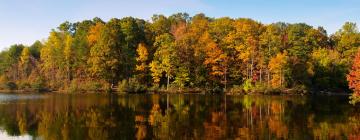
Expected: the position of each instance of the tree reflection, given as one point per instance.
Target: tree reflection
(181, 117)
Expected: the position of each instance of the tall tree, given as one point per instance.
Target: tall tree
(347, 42)
(52, 59)
(163, 59)
(105, 56)
(25, 63)
(354, 79)
(68, 57)
(216, 60)
(278, 67)
(142, 61)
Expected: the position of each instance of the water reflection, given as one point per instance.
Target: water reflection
(98, 117)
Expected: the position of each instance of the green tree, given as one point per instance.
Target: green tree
(105, 56)
(25, 63)
(163, 58)
(347, 41)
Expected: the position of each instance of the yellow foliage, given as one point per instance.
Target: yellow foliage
(216, 59)
(94, 33)
(156, 73)
(277, 66)
(142, 57)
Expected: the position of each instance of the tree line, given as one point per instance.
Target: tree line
(180, 52)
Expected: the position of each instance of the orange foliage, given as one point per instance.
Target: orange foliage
(216, 59)
(94, 33)
(354, 76)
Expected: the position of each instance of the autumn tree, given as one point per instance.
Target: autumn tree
(68, 57)
(328, 70)
(160, 25)
(186, 52)
(353, 78)
(52, 59)
(80, 48)
(244, 43)
(216, 60)
(271, 43)
(142, 61)
(278, 67)
(163, 59)
(105, 56)
(347, 41)
(25, 63)
(190, 45)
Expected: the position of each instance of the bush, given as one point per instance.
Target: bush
(236, 89)
(10, 86)
(247, 86)
(300, 89)
(38, 84)
(217, 89)
(74, 86)
(260, 88)
(354, 98)
(154, 88)
(131, 86)
(97, 86)
(24, 85)
(78, 85)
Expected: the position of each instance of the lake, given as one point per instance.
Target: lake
(153, 116)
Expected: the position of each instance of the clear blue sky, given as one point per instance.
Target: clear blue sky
(24, 21)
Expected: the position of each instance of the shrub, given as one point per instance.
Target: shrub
(10, 86)
(94, 86)
(3, 81)
(247, 85)
(131, 86)
(236, 89)
(24, 85)
(300, 89)
(38, 84)
(154, 88)
(78, 85)
(217, 89)
(354, 99)
(260, 88)
(74, 86)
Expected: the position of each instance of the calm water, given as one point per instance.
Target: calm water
(169, 117)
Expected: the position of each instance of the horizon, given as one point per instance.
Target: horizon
(27, 22)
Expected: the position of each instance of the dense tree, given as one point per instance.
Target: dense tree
(105, 56)
(279, 67)
(185, 52)
(328, 70)
(216, 60)
(142, 62)
(164, 59)
(25, 63)
(35, 49)
(354, 77)
(347, 41)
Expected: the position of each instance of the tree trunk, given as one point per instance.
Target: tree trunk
(252, 67)
(280, 78)
(168, 81)
(225, 78)
(260, 75)
(247, 71)
(268, 77)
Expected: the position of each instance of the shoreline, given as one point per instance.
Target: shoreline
(185, 92)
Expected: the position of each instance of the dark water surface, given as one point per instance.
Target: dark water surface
(171, 117)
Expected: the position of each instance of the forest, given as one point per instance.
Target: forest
(180, 53)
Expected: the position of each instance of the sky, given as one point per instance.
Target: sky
(25, 21)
